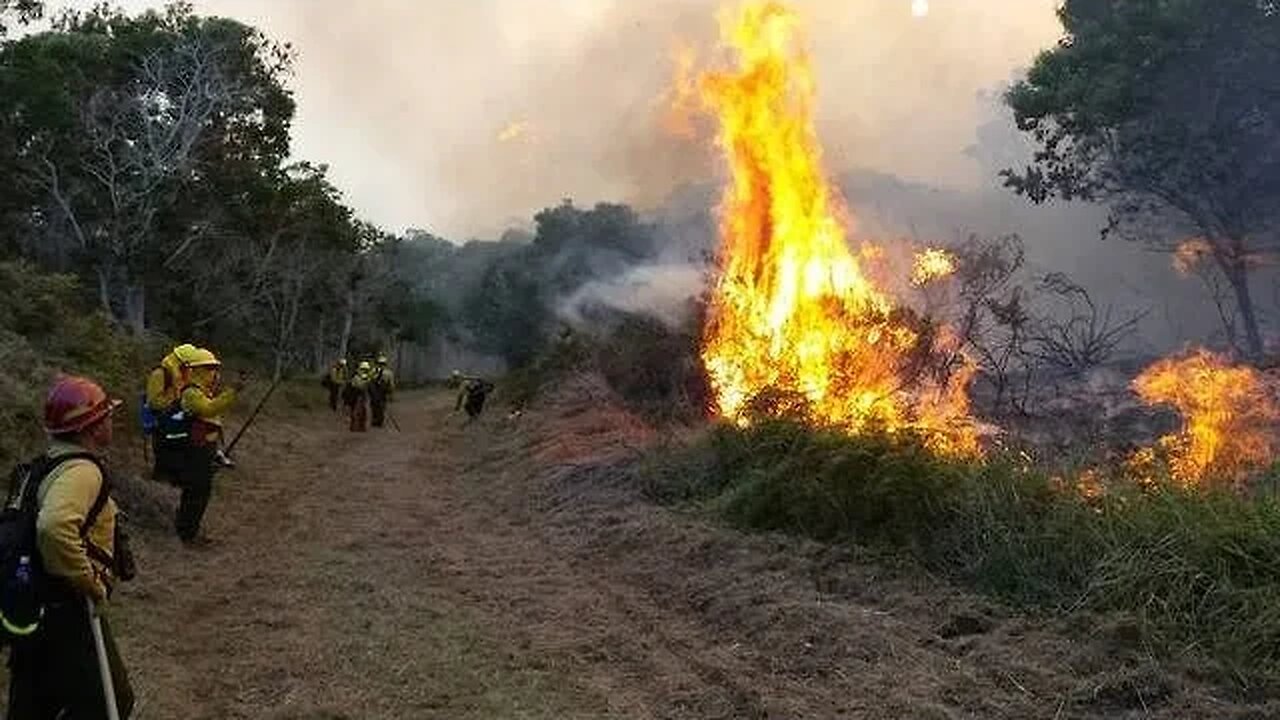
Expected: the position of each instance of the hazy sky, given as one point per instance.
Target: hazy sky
(408, 100)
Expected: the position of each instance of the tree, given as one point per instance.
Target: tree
(511, 311)
(572, 245)
(287, 273)
(110, 120)
(1169, 111)
(150, 154)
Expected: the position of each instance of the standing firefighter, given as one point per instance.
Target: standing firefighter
(164, 388)
(356, 396)
(334, 380)
(382, 383)
(201, 407)
(56, 666)
(471, 398)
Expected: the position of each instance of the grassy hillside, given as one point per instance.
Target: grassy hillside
(1196, 572)
(47, 326)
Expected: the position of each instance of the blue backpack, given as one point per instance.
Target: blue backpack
(147, 417)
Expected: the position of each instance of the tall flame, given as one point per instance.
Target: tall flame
(793, 309)
(1227, 417)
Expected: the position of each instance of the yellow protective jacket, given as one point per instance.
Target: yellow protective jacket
(66, 497)
(360, 381)
(164, 384)
(338, 375)
(207, 412)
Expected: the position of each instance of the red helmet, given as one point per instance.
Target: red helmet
(75, 403)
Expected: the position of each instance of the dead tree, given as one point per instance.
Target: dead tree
(1075, 335)
(140, 141)
(993, 314)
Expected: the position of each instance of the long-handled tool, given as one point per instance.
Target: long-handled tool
(252, 416)
(392, 419)
(104, 664)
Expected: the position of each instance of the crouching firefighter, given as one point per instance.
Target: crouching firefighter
(62, 548)
(194, 428)
(472, 397)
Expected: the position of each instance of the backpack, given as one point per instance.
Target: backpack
(24, 587)
(175, 424)
(147, 417)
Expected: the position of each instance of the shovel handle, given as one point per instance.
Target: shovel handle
(104, 664)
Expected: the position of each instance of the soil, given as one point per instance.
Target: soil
(509, 568)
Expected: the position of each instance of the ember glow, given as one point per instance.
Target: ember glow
(1227, 413)
(793, 309)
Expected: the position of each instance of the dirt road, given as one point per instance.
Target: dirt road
(507, 570)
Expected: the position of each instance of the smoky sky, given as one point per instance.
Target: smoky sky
(463, 117)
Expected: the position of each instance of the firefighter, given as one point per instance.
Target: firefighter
(164, 386)
(335, 380)
(382, 383)
(201, 407)
(474, 392)
(357, 397)
(164, 383)
(55, 672)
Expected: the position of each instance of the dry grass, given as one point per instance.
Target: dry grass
(508, 568)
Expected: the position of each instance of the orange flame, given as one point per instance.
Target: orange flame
(931, 265)
(1227, 412)
(793, 310)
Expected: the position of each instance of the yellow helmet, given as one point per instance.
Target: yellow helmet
(342, 361)
(185, 353)
(203, 357)
(364, 366)
(382, 359)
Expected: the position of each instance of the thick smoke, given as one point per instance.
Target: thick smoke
(408, 101)
(660, 291)
(467, 117)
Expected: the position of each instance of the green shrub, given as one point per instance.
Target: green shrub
(569, 353)
(46, 328)
(1199, 571)
(655, 368)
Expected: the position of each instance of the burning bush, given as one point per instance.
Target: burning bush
(1228, 418)
(794, 309)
